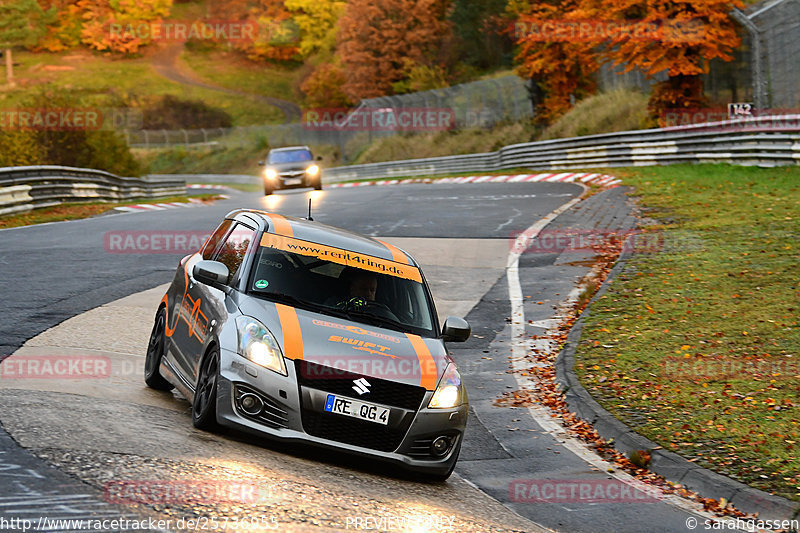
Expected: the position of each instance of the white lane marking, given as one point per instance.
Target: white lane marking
(520, 347)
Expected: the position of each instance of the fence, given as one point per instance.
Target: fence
(752, 141)
(26, 188)
(478, 104)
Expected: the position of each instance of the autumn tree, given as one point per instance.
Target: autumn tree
(22, 23)
(65, 30)
(120, 25)
(317, 21)
(323, 88)
(479, 26)
(278, 35)
(379, 39)
(690, 34)
(559, 64)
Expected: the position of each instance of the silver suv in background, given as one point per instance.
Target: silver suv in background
(293, 166)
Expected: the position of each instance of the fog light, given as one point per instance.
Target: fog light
(251, 404)
(440, 446)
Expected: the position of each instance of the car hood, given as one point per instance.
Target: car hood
(351, 346)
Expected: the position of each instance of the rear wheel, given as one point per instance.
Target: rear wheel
(155, 351)
(204, 405)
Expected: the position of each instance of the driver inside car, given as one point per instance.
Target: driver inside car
(361, 288)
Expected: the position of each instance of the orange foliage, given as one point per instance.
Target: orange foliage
(691, 33)
(324, 87)
(278, 37)
(563, 69)
(378, 39)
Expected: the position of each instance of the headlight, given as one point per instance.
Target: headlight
(449, 393)
(313, 170)
(257, 344)
(270, 174)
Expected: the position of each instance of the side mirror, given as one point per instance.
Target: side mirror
(456, 329)
(261, 163)
(319, 158)
(211, 273)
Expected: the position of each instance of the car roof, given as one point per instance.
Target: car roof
(319, 233)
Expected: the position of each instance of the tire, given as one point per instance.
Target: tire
(155, 352)
(204, 404)
(267, 190)
(318, 185)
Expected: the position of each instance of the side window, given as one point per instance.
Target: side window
(214, 240)
(233, 250)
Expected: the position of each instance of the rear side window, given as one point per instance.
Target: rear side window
(216, 238)
(233, 249)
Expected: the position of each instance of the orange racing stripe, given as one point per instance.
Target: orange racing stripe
(427, 365)
(397, 254)
(292, 334)
(280, 225)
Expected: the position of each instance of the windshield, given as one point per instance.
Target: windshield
(330, 281)
(290, 156)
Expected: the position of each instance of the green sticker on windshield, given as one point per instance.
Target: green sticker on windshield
(262, 284)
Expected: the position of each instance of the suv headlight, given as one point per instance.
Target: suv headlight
(257, 344)
(449, 393)
(271, 174)
(313, 170)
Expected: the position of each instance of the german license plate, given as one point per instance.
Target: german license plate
(357, 409)
(292, 181)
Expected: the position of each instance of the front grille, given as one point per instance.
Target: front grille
(340, 382)
(271, 415)
(349, 430)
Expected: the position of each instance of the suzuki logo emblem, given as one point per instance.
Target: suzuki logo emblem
(361, 386)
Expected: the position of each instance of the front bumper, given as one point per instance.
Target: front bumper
(293, 413)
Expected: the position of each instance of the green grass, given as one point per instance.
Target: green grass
(617, 110)
(103, 80)
(235, 72)
(697, 346)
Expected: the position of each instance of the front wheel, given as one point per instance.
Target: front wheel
(267, 190)
(155, 351)
(204, 405)
(318, 184)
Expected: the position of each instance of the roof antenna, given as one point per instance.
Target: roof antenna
(309, 211)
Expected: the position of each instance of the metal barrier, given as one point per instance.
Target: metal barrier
(752, 141)
(26, 188)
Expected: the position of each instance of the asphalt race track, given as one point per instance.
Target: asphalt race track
(66, 441)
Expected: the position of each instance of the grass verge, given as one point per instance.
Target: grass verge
(697, 345)
(75, 211)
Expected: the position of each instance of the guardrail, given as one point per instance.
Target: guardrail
(34, 187)
(768, 140)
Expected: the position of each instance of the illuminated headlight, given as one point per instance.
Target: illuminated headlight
(257, 344)
(313, 170)
(271, 174)
(448, 394)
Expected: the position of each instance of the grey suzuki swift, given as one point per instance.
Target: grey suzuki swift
(290, 329)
